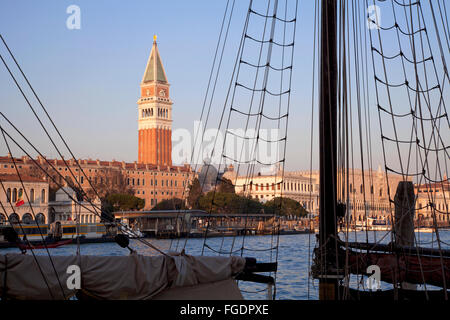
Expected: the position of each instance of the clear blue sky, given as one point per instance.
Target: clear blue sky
(89, 78)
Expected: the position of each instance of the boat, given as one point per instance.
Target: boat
(59, 231)
(424, 230)
(402, 263)
(50, 245)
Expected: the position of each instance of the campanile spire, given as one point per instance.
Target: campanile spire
(155, 113)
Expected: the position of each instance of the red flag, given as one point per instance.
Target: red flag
(20, 201)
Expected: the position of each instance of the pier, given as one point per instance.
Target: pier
(194, 223)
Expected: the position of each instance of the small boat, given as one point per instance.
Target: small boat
(424, 230)
(44, 245)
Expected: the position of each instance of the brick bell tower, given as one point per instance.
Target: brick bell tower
(155, 113)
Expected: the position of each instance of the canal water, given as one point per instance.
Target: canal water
(294, 256)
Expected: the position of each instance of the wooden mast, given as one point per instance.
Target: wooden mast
(328, 141)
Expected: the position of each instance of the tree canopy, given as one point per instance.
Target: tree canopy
(170, 204)
(285, 206)
(195, 192)
(226, 202)
(121, 201)
(226, 186)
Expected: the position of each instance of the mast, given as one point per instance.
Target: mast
(328, 141)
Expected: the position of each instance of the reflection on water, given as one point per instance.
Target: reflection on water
(294, 256)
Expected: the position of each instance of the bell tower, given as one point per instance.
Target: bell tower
(155, 113)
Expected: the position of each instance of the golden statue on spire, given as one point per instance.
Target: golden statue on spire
(154, 38)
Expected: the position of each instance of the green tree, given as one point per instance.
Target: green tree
(195, 192)
(226, 202)
(226, 186)
(284, 207)
(120, 201)
(170, 204)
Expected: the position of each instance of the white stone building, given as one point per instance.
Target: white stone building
(35, 197)
(267, 187)
(432, 202)
(368, 190)
(66, 209)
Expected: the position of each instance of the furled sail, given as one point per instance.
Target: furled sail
(117, 277)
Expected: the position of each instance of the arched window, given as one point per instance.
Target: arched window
(14, 218)
(27, 218)
(40, 218)
(2, 218)
(361, 189)
(14, 195)
(43, 199)
(8, 195)
(32, 195)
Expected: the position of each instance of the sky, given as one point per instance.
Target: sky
(88, 78)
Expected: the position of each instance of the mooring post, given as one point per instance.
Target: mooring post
(404, 214)
(404, 220)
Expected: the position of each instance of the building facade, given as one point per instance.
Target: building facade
(368, 193)
(152, 183)
(267, 187)
(65, 208)
(155, 114)
(35, 193)
(432, 203)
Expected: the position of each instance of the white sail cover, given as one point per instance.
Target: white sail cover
(133, 277)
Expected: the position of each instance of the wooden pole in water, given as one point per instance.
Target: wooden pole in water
(328, 141)
(404, 220)
(404, 214)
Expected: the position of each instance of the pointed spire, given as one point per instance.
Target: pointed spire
(154, 70)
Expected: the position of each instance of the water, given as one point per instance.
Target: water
(293, 256)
